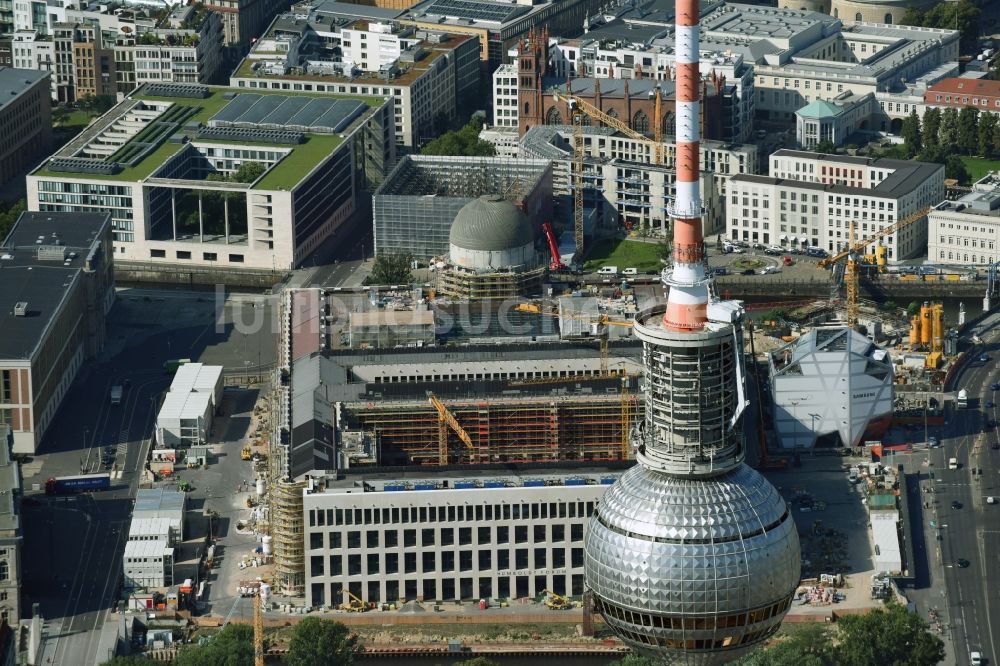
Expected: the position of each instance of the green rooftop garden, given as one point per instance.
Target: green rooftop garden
(284, 175)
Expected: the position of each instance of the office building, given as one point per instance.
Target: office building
(497, 535)
(811, 199)
(58, 284)
(542, 95)
(623, 185)
(11, 537)
(431, 76)
(25, 120)
(415, 207)
(499, 25)
(966, 231)
(798, 56)
(106, 50)
(196, 176)
(959, 92)
(243, 21)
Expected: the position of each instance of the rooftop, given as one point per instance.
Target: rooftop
(13, 82)
(158, 499)
(39, 260)
(152, 147)
(471, 13)
(483, 478)
(966, 86)
(820, 108)
(462, 177)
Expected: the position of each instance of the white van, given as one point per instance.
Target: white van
(630, 271)
(607, 270)
(952, 463)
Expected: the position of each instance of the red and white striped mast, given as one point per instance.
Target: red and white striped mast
(687, 301)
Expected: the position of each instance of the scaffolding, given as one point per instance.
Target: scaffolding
(545, 428)
(459, 284)
(287, 532)
(415, 206)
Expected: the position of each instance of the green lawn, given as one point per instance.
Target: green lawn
(78, 119)
(979, 166)
(624, 254)
(288, 172)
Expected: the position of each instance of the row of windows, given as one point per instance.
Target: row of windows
(695, 623)
(186, 255)
(461, 376)
(950, 240)
(424, 514)
(430, 563)
(446, 536)
(965, 100)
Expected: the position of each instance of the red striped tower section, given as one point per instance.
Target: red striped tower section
(687, 300)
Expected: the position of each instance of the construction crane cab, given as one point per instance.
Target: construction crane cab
(354, 604)
(556, 601)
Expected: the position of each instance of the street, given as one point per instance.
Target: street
(970, 528)
(73, 544)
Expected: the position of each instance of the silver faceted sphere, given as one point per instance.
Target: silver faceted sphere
(692, 571)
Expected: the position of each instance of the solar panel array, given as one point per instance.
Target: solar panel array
(250, 135)
(176, 90)
(479, 11)
(83, 165)
(280, 112)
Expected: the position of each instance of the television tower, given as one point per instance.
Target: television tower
(692, 556)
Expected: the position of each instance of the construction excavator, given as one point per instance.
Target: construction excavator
(556, 601)
(355, 604)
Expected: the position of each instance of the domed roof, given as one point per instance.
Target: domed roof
(490, 223)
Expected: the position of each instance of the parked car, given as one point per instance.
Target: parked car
(955, 504)
(962, 563)
(933, 442)
(773, 250)
(983, 358)
(994, 386)
(748, 271)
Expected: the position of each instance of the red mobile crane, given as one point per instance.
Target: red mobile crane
(556, 264)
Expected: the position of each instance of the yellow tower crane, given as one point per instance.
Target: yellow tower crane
(445, 419)
(626, 399)
(579, 107)
(851, 252)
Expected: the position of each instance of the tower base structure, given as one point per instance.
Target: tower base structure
(692, 557)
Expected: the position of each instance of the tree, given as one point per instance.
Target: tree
(962, 16)
(911, 133)
(59, 115)
(318, 642)
(954, 167)
(913, 309)
(634, 660)
(478, 661)
(9, 212)
(931, 127)
(948, 134)
(968, 130)
(987, 132)
(464, 141)
(890, 637)
(391, 268)
(826, 146)
(233, 646)
(248, 172)
(808, 645)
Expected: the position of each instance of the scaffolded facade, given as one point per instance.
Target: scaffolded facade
(415, 206)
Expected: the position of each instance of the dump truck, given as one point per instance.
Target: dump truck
(82, 483)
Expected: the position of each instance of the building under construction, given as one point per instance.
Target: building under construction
(415, 206)
(480, 404)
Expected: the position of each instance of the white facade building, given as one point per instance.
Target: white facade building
(966, 232)
(148, 564)
(430, 538)
(811, 199)
(505, 96)
(186, 415)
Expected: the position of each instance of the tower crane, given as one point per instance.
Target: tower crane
(579, 107)
(446, 419)
(850, 253)
(258, 631)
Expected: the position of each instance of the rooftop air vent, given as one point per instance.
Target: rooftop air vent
(21, 309)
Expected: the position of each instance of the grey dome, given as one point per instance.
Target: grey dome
(490, 223)
(692, 571)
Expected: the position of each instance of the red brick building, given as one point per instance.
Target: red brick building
(983, 94)
(629, 100)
